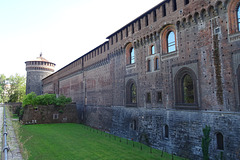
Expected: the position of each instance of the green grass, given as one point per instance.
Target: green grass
(78, 142)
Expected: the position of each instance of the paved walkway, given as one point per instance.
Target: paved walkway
(14, 152)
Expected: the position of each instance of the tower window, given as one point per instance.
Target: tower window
(132, 28)
(186, 2)
(146, 20)
(171, 42)
(220, 145)
(139, 24)
(152, 49)
(126, 31)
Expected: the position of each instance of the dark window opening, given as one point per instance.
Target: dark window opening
(174, 5)
(146, 20)
(164, 10)
(112, 40)
(149, 65)
(121, 35)
(154, 16)
(133, 95)
(148, 97)
(156, 64)
(132, 56)
(116, 38)
(186, 2)
(132, 28)
(188, 89)
(139, 24)
(134, 125)
(159, 97)
(126, 31)
(166, 131)
(219, 141)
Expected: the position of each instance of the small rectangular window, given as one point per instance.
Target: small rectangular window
(149, 65)
(121, 35)
(164, 10)
(159, 97)
(116, 37)
(126, 31)
(55, 116)
(148, 98)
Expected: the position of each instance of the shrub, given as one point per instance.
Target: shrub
(45, 99)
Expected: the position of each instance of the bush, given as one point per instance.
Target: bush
(45, 99)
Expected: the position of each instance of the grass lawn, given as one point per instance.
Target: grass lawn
(78, 142)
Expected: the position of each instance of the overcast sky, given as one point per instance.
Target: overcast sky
(63, 30)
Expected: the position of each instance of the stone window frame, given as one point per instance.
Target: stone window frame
(128, 50)
(129, 94)
(55, 116)
(179, 97)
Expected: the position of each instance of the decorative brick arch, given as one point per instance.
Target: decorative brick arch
(164, 38)
(179, 90)
(128, 49)
(232, 16)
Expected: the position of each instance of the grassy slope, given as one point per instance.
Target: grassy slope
(77, 142)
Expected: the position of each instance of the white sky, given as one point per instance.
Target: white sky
(63, 30)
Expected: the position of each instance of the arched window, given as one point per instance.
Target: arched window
(171, 42)
(134, 125)
(219, 137)
(133, 93)
(188, 89)
(156, 64)
(238, 17)
(166, 131)
(132, 56)
(152, 49)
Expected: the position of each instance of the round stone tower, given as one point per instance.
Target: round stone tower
(37, 70)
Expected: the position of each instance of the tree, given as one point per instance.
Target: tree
(3, 93)
(17, 88)
(205, 142)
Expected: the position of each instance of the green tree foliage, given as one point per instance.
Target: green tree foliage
(205, 142)
(12, 89)
(17, 88)
(45, 99)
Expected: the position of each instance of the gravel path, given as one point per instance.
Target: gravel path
(14, 152)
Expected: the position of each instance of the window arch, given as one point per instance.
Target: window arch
(168, 36)
(131, 93)
(152, 49)
(171, 42)
(219, 138)
(185, 87)
(130, 54)
(234, 16)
